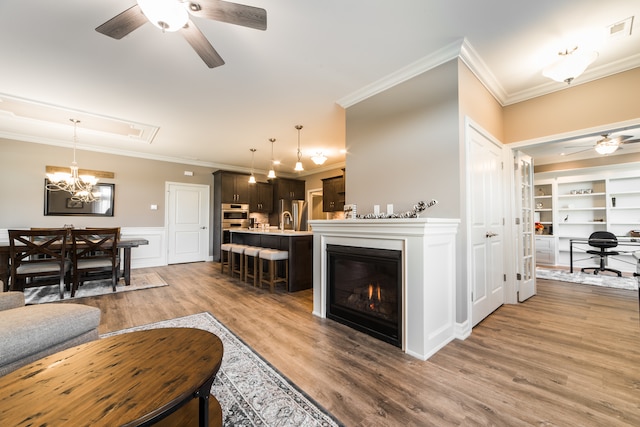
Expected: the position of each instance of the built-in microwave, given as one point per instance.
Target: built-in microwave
(235, 212)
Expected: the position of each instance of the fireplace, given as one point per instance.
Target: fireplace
(365, 290)
(427, 318)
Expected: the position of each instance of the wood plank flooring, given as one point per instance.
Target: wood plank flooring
(569, 356)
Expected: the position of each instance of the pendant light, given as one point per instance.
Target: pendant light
(299, 167)
(252, 178)
(272, 172)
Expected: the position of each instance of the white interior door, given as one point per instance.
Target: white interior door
(486, 225)
(187, 222)
(526, 262)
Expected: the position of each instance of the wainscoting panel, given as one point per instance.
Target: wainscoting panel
(152, 255)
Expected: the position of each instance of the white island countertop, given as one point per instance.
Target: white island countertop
(272, 231)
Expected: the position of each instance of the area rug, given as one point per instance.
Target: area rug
(630, 283)
(98, 287)
(250, 391)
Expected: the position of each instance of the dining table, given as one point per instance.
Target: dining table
(125, 244)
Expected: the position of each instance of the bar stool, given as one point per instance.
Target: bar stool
(251, 257)
(272, 256)
(237, 250)
(225, 256)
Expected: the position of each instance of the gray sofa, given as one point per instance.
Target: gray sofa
(29, 333)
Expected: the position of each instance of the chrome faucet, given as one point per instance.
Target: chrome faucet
(282, 219)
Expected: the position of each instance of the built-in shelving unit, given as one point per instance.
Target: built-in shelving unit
(574, 206)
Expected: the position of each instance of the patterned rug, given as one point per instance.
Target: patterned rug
(250, 391)
(94, 288)
(630, 283)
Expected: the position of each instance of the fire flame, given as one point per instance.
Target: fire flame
(375, 295)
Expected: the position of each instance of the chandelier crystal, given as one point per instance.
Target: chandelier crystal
(299, 167)
(79, 186)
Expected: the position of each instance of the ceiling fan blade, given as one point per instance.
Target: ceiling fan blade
(231, 13)
(630, 141)
(201, 45)
(579, 151)
(123, 23)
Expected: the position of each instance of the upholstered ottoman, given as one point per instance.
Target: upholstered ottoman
(29, 333)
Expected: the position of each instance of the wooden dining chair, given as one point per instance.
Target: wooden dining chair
(95, 256)
(38, 258)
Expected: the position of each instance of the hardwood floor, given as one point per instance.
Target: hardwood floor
(569, 356)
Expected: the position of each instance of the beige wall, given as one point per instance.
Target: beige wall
(139, 184)
(403, 145)
(598, 103)
(477, 103)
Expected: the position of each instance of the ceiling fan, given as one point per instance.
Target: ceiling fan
(174, 15)
(607, 144)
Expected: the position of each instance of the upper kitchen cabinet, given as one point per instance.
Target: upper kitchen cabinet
(234, 187)
(288, 189)
(333, 194)
(261, 197)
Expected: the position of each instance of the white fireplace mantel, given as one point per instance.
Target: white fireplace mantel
(428, 273)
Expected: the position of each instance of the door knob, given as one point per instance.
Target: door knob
(490, 234)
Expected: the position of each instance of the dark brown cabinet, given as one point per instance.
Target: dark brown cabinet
(288, 189)
(234, 187)
(261, 197)
(333, 194)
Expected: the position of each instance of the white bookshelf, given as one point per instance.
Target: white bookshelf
(573, 205)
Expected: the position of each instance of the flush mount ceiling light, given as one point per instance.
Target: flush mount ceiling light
(319, 158)
(570, 65)
(299, 167)
(80, 187)
(272, 172)
(252, 178)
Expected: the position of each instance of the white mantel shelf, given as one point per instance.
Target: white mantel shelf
(429, 270)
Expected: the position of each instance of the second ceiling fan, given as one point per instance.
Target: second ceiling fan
(174, 15)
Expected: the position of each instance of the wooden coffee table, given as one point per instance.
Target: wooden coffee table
(131, 379)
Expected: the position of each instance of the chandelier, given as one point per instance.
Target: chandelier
(79, 186)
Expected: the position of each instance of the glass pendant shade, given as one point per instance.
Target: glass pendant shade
(168, 15)
(272, 172)
(299, 167)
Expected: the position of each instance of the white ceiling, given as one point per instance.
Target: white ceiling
(312, 55)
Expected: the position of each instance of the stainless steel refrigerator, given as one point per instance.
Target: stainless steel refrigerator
(298, 211)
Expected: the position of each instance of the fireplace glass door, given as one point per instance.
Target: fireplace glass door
(364, 290)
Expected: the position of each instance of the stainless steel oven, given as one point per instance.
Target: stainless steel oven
(234, 216)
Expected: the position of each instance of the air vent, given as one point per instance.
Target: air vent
(620, 29)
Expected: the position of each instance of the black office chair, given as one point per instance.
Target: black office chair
(602, 240)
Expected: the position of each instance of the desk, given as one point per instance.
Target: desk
(125, 243)
(622, 241)
(130, 379)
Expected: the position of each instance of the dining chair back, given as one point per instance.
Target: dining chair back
(38, 258)
(95, 255)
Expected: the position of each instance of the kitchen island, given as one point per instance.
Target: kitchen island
(299, 244)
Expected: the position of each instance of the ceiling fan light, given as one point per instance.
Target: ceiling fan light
(570, 65)
(168, 15)
(605, 148)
